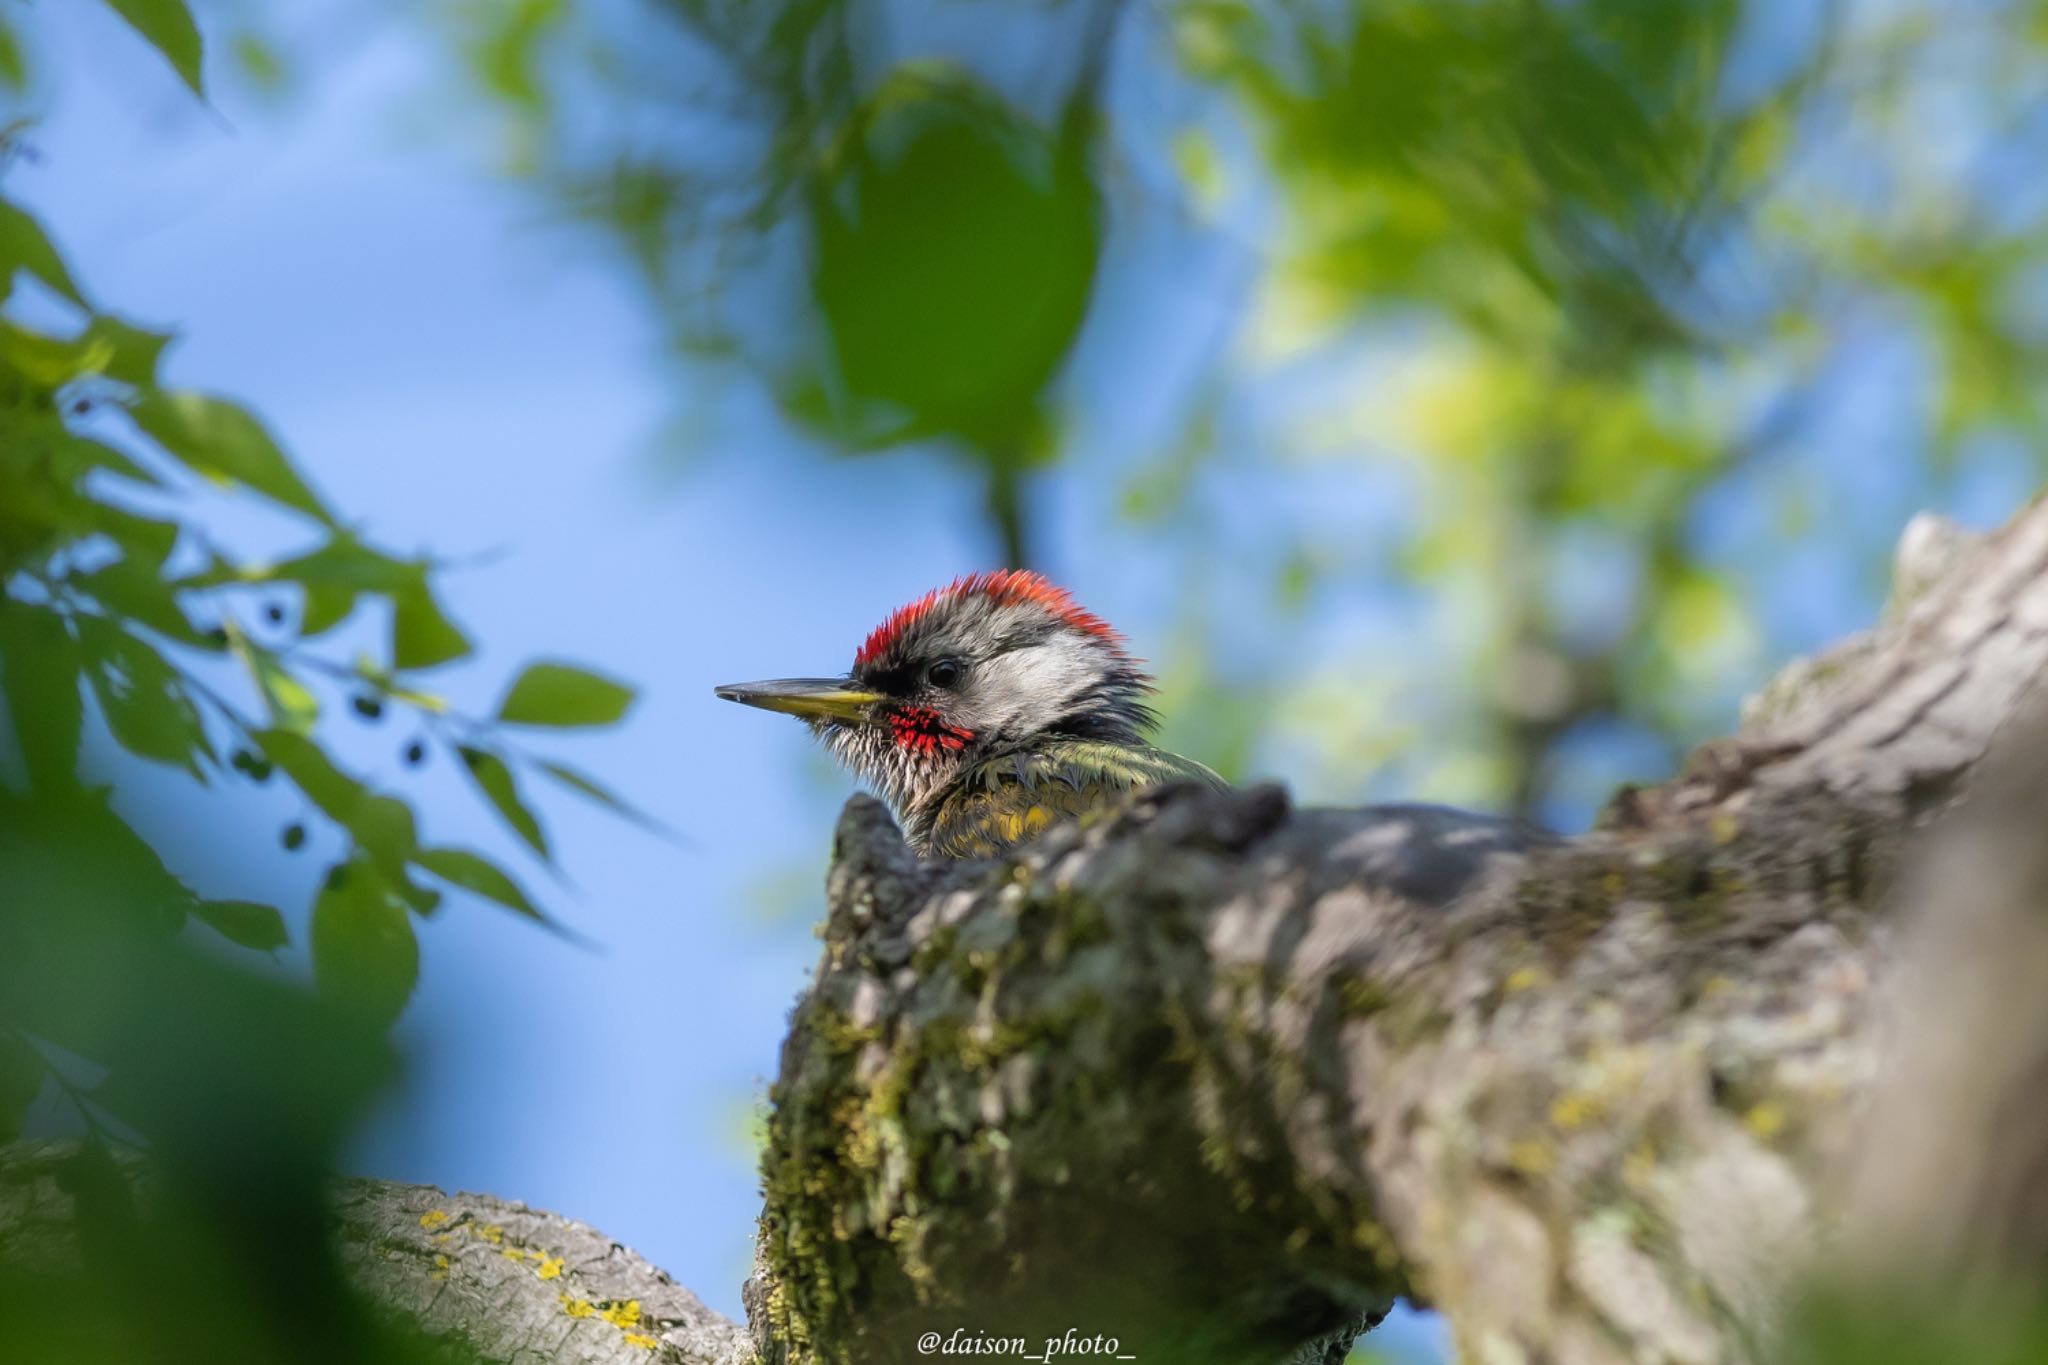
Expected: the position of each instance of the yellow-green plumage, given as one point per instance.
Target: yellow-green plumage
(1012, 798)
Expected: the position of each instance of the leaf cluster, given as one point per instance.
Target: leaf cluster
(123, 612)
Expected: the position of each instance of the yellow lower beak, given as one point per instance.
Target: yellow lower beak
(811, 698)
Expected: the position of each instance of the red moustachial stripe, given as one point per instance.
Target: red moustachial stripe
(1004, 587)
(919, 728)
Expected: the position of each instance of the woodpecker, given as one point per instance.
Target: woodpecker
(984, 712)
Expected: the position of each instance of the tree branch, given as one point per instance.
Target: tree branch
(1215, 1075)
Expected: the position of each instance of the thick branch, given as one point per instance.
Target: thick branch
(1214, 1075)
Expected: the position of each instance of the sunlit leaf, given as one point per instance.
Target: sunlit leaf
(473, 872)
(507, 48)
(167, 26)
(561, 695)
(129, 353)
(955, 248)
(496, 782)
(324, 607)
(291, 703)
(422, 636)
(48, 361)
(364, 951)
(248, 923)
(220, 440)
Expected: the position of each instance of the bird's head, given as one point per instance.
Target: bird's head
(989, 664)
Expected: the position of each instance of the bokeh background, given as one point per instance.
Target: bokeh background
(1455, 401)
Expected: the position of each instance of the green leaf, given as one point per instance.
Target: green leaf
(307, 765)
(421, 635)
(49, 362)
(130, 352)
(345, 562)
(247, 923)
(142, 538)
(21, 1079)
(495, 780)
(324, 608)
(424, 900)
(13, 69)
(364, 952)
(341, 561)
(291, 703)
(383, 827)
(25, 246)
(473, 872)
(39, 666)
(589, 786)
(142, 697)
(333, 577)
(167, 26)
(131, 588)
(557, 694)
(219, 440)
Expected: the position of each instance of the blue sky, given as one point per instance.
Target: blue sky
(462, 375)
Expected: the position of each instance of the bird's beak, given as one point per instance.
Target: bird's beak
(811, 698)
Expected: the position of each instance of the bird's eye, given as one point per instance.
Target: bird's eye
(944, 673)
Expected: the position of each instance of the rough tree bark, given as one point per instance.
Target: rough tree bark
(1220, 1078)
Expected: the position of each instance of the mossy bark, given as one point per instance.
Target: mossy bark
(1214, 1075)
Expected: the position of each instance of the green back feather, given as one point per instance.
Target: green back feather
(1012, 798)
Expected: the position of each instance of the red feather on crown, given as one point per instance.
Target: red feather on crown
(1003, 587)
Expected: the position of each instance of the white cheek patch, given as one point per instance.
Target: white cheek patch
(1038, 680)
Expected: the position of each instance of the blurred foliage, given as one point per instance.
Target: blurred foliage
(943, 240)
(1559, 282)
(144, 1018)
(1922, 1321)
